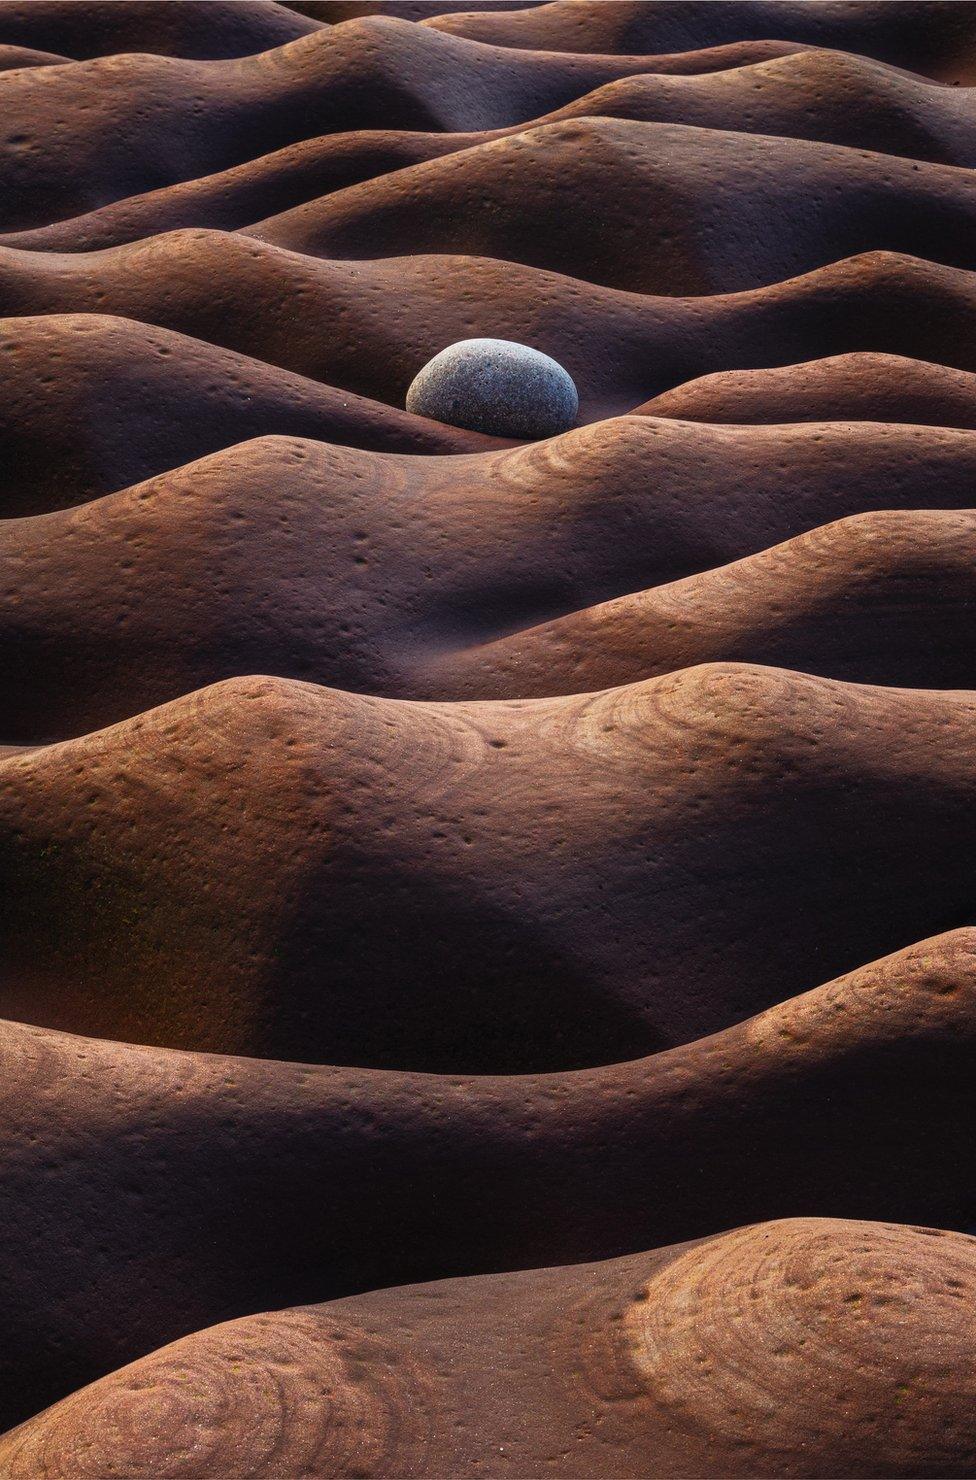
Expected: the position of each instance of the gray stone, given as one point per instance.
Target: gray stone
(498, 387)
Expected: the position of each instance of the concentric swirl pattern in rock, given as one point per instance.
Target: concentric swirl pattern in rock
(799, 1348)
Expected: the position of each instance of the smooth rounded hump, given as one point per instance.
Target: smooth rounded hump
(272, 1395)
(818, 1346)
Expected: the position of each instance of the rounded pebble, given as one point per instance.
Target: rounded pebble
(498, 387)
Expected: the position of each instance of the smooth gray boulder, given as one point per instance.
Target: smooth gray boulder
(496, 386)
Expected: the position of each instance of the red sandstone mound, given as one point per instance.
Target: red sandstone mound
(118, 125)
(368, 327)
(89, 404)
(933, 37)
(855, 387)
(477, 576)
(180, 28)
(883, 598)
(167, 1191)
(771, 1350)
(234, 197)
(826, 96)
(815, 95)
(300, 872)
(24, 56)
(335, 11)
(647, 207)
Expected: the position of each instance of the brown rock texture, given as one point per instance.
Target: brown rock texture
(622, 1367)
(79, 29)
(854, 1100)
(247, 851)
(487, 931)
(154, 401)
(166, 118)
(621, 349)
(854, 387)
(819, 95)
(406, 576)
(710, 190)
(936, 38)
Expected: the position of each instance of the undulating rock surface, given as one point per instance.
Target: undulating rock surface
(487, 922)
(622, 1368)
(854, 1100)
